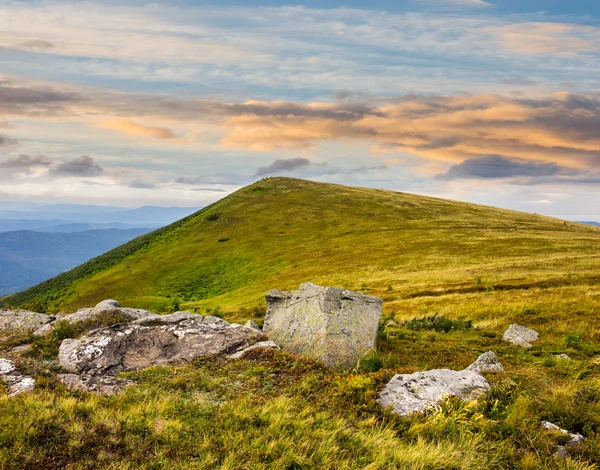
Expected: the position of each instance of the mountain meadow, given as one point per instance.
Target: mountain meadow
(452, 275)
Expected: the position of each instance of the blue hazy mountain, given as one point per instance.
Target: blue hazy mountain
(28, 258)
(596, 224)
(79, 218)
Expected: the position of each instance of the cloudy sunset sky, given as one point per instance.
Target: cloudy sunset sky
(180, 103)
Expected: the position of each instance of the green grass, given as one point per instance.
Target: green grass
(452, 275)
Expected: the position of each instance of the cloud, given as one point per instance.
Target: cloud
(131, 128)
(497, 167)
(284, 165)
(23, 167)
(6, 141)
(34, 100)
(141, 184)
(82, 166)
(561, 128)
(26, 162)
(37, 44)
(549, 38)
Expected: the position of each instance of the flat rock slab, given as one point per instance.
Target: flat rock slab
(157, 340)
(421, 391)
(104, 310)
(17, 383)
(418, 392)
(107, 385)
(334, 326)
(521, 336)
(22, 321)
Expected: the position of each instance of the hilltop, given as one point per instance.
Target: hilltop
(281, 232)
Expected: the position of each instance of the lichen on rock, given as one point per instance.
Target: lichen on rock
(334, 326)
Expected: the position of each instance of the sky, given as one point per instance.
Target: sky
(182, 102)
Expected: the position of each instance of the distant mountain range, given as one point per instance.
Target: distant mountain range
(39, 241)
(596, 224)
(77, 218)
(27, 257)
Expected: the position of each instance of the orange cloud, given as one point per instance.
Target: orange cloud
(128, 127)
(549, 38)
(562, 128)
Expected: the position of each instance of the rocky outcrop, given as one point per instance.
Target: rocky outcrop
(16, 382)
(259, 345)
(334, 326)
(107, 385)
(105, 310)
(487, 362)
(153, 340)
(521, 336)
(416, 393)
(22, 321)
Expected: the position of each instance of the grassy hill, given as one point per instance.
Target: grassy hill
(452, 275)
(281, 232)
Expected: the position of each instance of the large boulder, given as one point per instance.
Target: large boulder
(418, 392)
(16, 382)
(334, 326)
(22, 321)
(521, 336)
(156, 340)
(105, 310)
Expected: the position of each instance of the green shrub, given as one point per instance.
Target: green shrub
(437, 323)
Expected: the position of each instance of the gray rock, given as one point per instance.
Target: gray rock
(563, 357)
(21, 349)
(421, 391)
(261, 344)
(108, 304)
(252, 324)
(6, 366)
(521, 336)
(22, 321)
(574, 438)
(487, 362)
(107, 385)
(334, 326)
(170, 339)
(104, 308)
(17, 383)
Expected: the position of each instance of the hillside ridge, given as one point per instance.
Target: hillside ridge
(278, 231)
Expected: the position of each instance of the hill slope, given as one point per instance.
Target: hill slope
(27, 258)
(479, 268)
(281, 232)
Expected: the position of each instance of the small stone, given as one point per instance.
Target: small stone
(261, 344)
(521, 336)
(7, 366)
(252, 324)
(563, 357)
(574, 438)
(22, 349)
(487, 362)
(17, 383)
